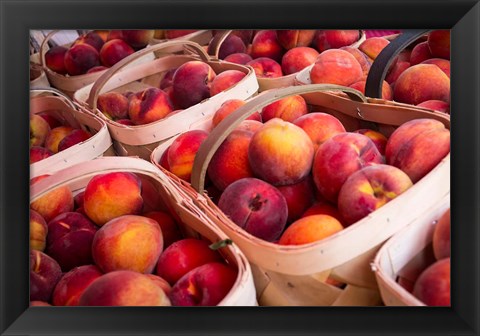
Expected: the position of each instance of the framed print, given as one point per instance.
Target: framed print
(18, 18)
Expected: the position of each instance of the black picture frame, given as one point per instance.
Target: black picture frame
(17, 17)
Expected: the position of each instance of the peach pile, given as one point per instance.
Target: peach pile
(49, 135)
(114, 244)
(96, 51)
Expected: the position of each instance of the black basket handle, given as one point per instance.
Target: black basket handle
(379, 68)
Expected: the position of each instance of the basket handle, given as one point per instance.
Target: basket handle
(227, 125)
(44, 47)
(216, 42)
(57, 93)
(105, 77)
(379, 68)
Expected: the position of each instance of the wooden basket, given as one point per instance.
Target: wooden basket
(38, 77)
(297, 275)
(406, 255)
(141, 140)
(62, 108)
(268, 83)
(65, 83)
(192, 221)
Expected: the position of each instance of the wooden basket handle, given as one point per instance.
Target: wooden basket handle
(216, 42)
(57, 93)
(379, 68)
(44, 47)
(104, 78)
(227, 125)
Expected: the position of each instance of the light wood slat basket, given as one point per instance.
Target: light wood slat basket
(65, 83)
(297, 275)
(269, 83)
(61, 107)
(192, 222)
(141, 140)
(406, 255)
(38, 78)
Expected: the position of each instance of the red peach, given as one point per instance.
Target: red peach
(395, 71)
(55, 136)
(123, 288)
(387, 92)
(310, 229)
(114, 51)
(110, 195)
(299, 197)
(39, 304)
(183, 256)
(91, 38)
(231, 45)
(436, 105)
(113, 104)
(167, 79)
(228, 107)
(339, 157)
(439, 43)
(288, 109)
(96, 69)
(297, 59)
(373, 46)
(73, 283)
(420, 53)
(44, 275)
(266, 67)
(74, 137)
(54, 59)
(225, 80)
(53, 203)
(38, 231)
(265, 44)
(138, 38)
(80, 58)
(319, 127)
(362, 59)
(290, 39)
(378, 138)
(334, 39)
(238, 58)
(175, 33)
(206, 285)
(50, 119)
(78, 200)
(126, 122)
(255, 206)
(191, 83)
(149, 106)
(441, 237)
(433, 285)
(170, 230)
(249, 125)
(336, 66)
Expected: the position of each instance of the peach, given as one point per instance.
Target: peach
(138, 38)
(436, 105)
(339, 157)
(55, 59)
(78, 200)
(39, 304)
(44, 275)
(69, 240)
(53, 203)
(114, 34)
(378, 138)
(319, 127)
(387, 92)
(39, 129)
(297, 59)
(91, 38)
(164, 159)
(73, 138)
(310, 229)
(324, 208)
(299, 197)
(266, 67)
(433, 285)
(373, 46)
(255, 206)
(183, 256)
(265, 44)
(182, 152)
(96, 69)
(113, 105)
(334, 39)
(290, 39)
(110, 195)
(439, 43)
(114, 51)
(249, 125)
(370, 188)
(336, 66)
(228, 107)
(116, 244)
(55, 136)
(225, 80)
(80, 58)
(149, 106)
(417, 146)
(280, 153)
(205, 285)
(230, 162)
(420, 53)
(441, 237)
(395, 71)
(167, 79)
(191, 83)
(362, 59)
(231, 45)
(50, 119)
(238, 58)
(170, 230)
(126, 122)
(160, 282)
(123, 288)
(73, 283)
(38, 231)
(443, 64)
(422, 82)
(152, 199)
(287, 109)
(245, 34)
(174, 33)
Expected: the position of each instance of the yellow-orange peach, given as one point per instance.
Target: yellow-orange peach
(53, 203)
(319, 127)
(288, 109)
(149, 106)
(373, 46)
(378, 138)
(334, 39)
(55, 136)
(265, 44)
(225, 80)
(336, 66)
(38, 231)
(228, 107)
(310, 229)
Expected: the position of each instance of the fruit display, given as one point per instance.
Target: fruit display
(114, 240)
